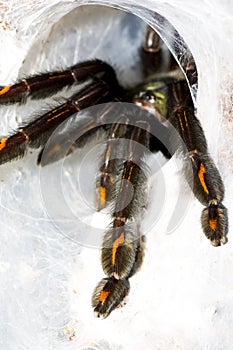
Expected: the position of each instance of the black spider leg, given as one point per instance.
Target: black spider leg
(123, 245)
(201, 172)
(155, 57)
(151, 52)
(185, 58)
(159, 141)
(64, 145)
(36, 133)
(106, 180)
(68, 142)
(47, 84)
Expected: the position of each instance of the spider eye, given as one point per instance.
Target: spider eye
(148, 96)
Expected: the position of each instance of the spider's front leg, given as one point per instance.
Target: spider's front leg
(201, 172)
(36, 133)
(123, 245)
(47, 84)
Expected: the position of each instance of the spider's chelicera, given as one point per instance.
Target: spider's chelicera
(166, 100)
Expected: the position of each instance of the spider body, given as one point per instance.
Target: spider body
(162, 99)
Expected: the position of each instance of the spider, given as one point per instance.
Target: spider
(163, 103)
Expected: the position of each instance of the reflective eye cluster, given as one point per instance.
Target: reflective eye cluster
(147, 96)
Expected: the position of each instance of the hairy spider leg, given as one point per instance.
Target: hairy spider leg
(46, 84)
(100, 123)
(121, 128)
(123, 246)
(36, 133)
(155, 58)
(105, 181)
(151, 52)
(201, 172)
(64, 145)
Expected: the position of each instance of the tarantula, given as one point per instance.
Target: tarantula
(163, 103)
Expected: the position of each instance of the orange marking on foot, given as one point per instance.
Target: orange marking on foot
(201, 173)
(5, 89)
(103, 295)
(116, 244)
(3, 142)
(102, 194)
(213, 224)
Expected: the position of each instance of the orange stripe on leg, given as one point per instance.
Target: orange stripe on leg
(5, 89)
(102, 194)
(201, 174)
(116, 244)
(3, 142)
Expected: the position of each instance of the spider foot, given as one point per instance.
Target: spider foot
(215, 223)
(108, 295)
(119, 250)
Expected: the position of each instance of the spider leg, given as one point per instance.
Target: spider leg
(47, 84)
(155, 57)
(151, 52)
(201, 172)
(105, 182)
(123, 245)
(37, 132)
